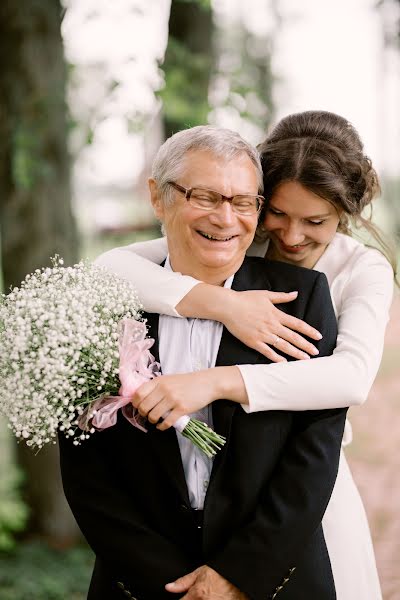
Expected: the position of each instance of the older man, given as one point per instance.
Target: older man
(153, 508)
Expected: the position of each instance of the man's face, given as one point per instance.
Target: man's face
(209, 245)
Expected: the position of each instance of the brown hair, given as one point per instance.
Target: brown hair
(323, 152)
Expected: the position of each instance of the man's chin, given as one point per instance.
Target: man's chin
(220, 259)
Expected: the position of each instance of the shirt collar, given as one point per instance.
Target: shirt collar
(227, 284)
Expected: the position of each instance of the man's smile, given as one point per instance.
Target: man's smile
(214, 237)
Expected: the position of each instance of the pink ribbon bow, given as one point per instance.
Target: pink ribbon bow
(136, 366)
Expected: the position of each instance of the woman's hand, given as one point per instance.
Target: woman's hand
(253, 318)
(169, 397)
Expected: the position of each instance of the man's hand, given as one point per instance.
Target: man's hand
(205, 584)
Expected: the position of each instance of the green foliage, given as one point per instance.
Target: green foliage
(226, 66)
(203, 4)
(391, 194)
(247, 73)
(13, 512)
(37, 572)
(188, 65)
(28, 164)
(186, 73)
(25, 162)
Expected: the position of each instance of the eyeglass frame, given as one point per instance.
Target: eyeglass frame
(188, 191)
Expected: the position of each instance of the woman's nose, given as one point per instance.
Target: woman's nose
(292, 235)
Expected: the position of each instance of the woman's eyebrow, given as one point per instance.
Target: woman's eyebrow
(318, 216)
(310, 217)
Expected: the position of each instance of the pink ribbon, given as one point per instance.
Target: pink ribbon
(136, 366)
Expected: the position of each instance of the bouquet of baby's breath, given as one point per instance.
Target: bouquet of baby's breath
(73, 351)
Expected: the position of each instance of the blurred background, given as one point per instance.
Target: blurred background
(89, 89)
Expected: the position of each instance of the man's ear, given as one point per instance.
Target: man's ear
(157, 203)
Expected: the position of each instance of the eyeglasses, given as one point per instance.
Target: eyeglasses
(242, 204)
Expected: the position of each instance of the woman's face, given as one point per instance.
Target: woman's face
(300, 224)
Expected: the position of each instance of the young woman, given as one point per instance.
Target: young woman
(317, 182)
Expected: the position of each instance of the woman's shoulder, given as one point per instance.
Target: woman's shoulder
(348, 246)
(345, 255)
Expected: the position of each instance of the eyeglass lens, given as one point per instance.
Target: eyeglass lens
(208, 199)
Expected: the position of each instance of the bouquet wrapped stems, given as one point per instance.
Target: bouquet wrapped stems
(137, 365)
(73, 351)
(201, 435)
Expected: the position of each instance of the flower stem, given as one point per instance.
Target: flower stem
(202, 436)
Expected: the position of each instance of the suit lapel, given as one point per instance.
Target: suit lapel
(165, 443)
(234, 352)
(231, 352)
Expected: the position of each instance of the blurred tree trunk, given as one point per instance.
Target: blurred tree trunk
(188, 65)
(36, 217)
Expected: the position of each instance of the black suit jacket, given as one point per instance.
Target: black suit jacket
(268, 490)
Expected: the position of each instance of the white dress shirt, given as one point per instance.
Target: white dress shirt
(187, 345)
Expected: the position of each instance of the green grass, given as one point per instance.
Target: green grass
(13, 511)
(36, 572)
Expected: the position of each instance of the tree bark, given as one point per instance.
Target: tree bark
(35, 207)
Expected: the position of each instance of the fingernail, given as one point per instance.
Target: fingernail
(314, 351)
(319, 336)
(305, 357)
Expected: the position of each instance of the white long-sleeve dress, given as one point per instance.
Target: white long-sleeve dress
(361, 284)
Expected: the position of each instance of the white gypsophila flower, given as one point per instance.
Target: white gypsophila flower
(59, 346)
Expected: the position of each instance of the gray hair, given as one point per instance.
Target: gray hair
(168, 164)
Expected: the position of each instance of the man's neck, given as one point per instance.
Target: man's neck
(212, 276)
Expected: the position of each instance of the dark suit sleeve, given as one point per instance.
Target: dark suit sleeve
(128, 548)
(262, 554)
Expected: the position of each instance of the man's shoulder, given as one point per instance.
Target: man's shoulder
(273, 273)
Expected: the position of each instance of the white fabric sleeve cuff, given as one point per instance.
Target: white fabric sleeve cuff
(248, 373)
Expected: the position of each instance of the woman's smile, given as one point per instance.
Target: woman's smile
(300, 224)
(296, 249)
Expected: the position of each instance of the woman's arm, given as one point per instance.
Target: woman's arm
(345, 378)
(165, 292)
(159, 290)
(341, 380)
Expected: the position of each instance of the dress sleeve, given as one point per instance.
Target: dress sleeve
(346, 377)
(159, 290)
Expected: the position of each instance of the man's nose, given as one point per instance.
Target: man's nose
(292, 234)
(223, 215)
